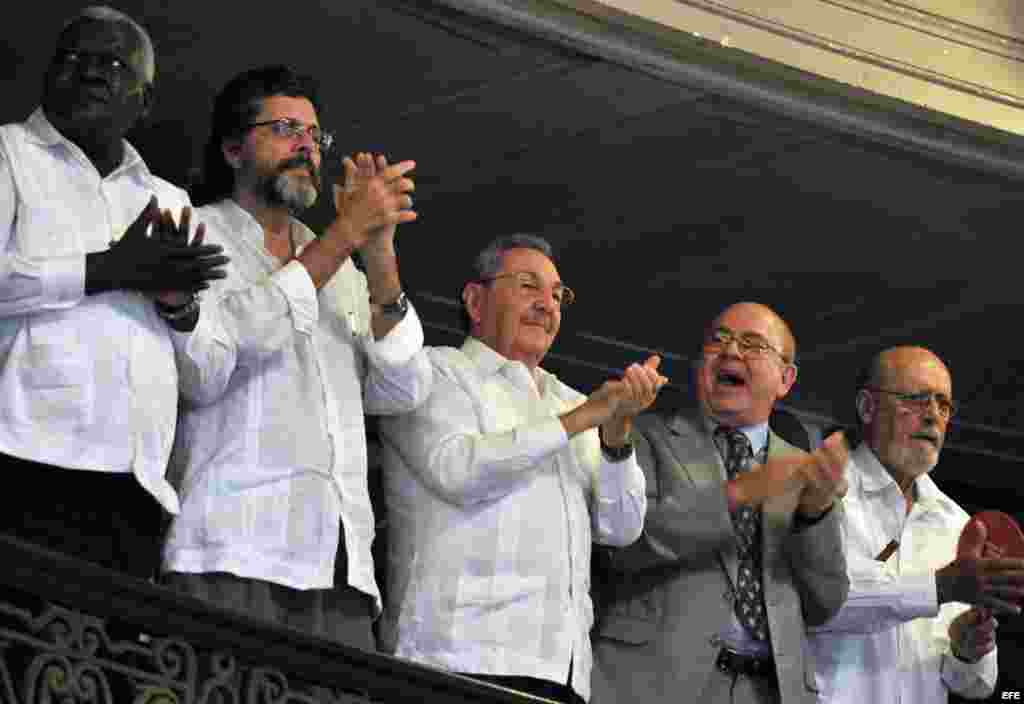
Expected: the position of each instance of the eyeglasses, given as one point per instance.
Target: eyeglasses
(293, 129)
(749, 345)
(530, 284)
(921, 401)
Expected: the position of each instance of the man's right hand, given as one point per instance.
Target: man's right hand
(973, 578)
(138, 262)
(371, 202)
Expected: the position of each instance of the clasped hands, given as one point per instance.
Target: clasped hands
(156, 257)
(819, 476)
(616, 402)
(370, 205)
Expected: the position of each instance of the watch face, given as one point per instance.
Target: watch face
(398, 308)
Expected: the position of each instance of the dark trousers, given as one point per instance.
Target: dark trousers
(341, 613)
(102, 517)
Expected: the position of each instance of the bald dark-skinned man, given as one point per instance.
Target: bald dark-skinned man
(740, 548)
(909, 631)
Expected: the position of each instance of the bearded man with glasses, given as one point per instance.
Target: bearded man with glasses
(279, 364)
(919, 620)
(741, 545)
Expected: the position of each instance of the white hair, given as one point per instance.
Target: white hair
(103, 13)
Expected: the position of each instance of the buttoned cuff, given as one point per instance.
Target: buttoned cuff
(616, 478)
(63, 279)
(970, 678)
(295, 283)
(400, 344)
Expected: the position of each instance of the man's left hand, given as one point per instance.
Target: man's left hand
(165, 230)
(635, 391)
(972, 634)
(373, 187)
(824, 471)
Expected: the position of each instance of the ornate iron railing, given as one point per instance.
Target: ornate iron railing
(75, 633)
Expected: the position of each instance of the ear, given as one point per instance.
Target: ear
(231, 149)
(788, 379)
(472, 298)
(865, 406)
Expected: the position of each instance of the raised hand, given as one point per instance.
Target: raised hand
(824, 474)
(373, 200)
(160, 263)
(973, 578)
(972, 634)
(617, 401)
(165, 230)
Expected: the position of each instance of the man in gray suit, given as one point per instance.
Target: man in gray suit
(741, 546)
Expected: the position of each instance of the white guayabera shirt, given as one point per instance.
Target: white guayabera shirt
(276, 378)
(491, 514)
(890, 641)
(87, 382)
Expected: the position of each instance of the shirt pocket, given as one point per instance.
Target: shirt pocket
(42, 231)
(57, 375)
(494, 612)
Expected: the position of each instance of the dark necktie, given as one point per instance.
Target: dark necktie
(746, 521)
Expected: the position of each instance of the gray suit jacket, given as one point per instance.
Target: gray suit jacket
(662, 601)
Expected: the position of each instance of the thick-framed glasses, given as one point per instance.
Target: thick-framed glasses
(921, 401)
(750, 346)
(531, 285)
(293, 129)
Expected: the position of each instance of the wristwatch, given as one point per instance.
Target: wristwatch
(616, 454)
(395, 310)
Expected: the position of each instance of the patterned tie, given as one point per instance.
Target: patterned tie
(746, 521)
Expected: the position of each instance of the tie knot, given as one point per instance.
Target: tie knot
(735, 448)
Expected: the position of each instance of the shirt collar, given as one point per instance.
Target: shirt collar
(757, 434)
(489, 361)
(42, 131)
(874, 478)
(238, 219)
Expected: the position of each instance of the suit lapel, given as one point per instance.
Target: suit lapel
(697, 455)
(777, 512)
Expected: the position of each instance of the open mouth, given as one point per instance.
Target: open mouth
(731, 379)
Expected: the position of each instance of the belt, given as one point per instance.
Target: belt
(749, 665)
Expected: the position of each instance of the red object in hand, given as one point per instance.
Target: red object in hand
(1003, 532)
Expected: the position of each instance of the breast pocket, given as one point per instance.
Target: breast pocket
(44, 232)
(501, 610)
(57, 378)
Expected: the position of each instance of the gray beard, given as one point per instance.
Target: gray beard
(293, 194)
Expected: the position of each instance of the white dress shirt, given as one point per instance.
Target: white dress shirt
(890, 641)
(86, 382)
(276, 378)
(491, 514)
